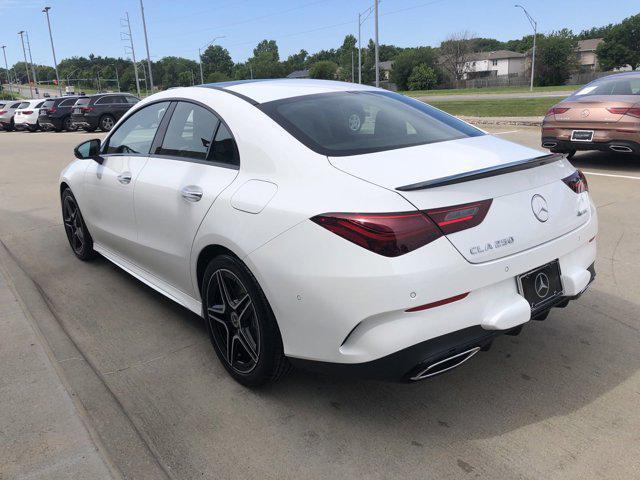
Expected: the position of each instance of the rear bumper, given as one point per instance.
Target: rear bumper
(428, 358)
(49, 123)
(84, 121)
(566, 146)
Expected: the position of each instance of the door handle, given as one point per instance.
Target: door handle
(125, 178)
(191, 193)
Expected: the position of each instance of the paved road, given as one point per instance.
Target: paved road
(26, 93)
(494, 96)
(558, 401)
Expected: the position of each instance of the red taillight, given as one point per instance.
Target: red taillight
(631, 111)
(2, 112)
(394, 234)
(87, 109)
(388, 234)
(460, 217)
(557, 110)
(52, 110)
(27, 112)
(577, 182)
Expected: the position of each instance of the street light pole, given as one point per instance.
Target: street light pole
(6, 66)
(534, 25)
(115, 67)
(377, 46)
(146, 42)
(133, 55)
(24, 52)
(33, 68)
(200, 55)
(53, 50)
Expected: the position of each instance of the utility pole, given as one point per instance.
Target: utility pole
(21, 33)
(33, 68)
(53, 50)
(353, 75)
(115, 67)
(534, 25)
(6, 66)
(362, 17)
(126, 23)
(377, 45)
(146, 42)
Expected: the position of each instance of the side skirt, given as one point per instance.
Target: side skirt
(152, 281)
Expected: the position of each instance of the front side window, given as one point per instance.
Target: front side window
(625, 85)
(189, 133)
(136, 133)
(353, 123)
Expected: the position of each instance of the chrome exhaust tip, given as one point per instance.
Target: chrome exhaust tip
(621, 148)
(549, 144)
(445, 364)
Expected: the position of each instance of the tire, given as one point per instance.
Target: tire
(242, 328)
(106, 122)
(67, 125)
(32, 128)
(77, 232)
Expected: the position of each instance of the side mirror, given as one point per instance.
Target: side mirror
(89, 150)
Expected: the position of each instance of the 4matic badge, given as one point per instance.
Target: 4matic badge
(487, 247)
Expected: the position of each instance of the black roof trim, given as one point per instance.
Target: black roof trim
(222, 86)
(484, 173)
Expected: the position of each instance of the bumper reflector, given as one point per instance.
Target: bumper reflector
(438, 303)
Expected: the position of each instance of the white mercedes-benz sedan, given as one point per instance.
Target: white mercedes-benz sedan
(331, 225)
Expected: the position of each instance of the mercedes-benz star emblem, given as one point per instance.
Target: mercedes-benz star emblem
(585, 113)
(539, 208)
(542, 285)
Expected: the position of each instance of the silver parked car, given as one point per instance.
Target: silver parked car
(7, 112)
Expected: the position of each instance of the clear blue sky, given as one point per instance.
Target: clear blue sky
(179, 27)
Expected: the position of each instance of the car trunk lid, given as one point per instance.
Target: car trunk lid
(593, 108)
(529, 206)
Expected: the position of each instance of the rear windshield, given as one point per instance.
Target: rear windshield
(24, 105)
(353, 123)
(48, 103)
(82, 101)
(614, 86)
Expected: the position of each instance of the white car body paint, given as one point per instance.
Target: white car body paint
(335, 301)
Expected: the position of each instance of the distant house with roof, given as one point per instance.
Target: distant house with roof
(495, 64)
(586, 52)
(299, 74)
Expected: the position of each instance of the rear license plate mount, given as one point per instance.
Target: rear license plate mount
(582, 136)
(541, 286)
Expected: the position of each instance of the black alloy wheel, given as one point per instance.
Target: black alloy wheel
(77, 233)
(241, 325)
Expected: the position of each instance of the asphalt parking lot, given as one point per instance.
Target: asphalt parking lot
(559, 401)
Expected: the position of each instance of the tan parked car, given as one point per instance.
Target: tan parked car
(603, 115)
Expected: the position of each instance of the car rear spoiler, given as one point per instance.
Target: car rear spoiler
(484, 172)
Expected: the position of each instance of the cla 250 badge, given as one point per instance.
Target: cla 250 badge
(487, 247)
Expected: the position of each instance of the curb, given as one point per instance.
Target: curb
(517, 121)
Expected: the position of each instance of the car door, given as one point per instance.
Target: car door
(108, 187)
(119, 106)
(193, 162)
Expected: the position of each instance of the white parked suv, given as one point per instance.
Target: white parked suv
(330, 225)
(26, 117)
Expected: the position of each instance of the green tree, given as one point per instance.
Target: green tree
(267, 46)
(405, 63)
(486, 44)
(556, 58)
(294, 62)
(324, 69)
(621, 45)
(595, 32)
(347, 54)
(217, 59)
(422, 77)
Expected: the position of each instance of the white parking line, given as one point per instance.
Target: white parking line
(611, 175)
(503, 133)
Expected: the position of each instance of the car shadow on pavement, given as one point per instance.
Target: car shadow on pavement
(607, 161)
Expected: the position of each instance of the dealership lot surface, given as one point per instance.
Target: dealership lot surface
(559, 401)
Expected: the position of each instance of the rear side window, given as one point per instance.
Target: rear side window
(24, 105)
(48, 103)
(189, 133)
(105, 101)
(131, 100)
(136, 133)
(82, 101)
(39, 104)
(224, 148)
(353, 123)
(15, 105)
(67, 102)
(625, 85)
